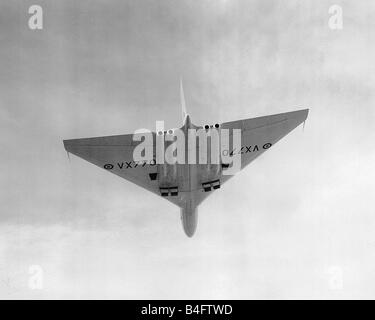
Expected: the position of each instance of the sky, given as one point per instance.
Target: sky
(296, 223)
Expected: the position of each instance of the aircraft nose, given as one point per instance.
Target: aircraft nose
(189, 220)
(189, 231)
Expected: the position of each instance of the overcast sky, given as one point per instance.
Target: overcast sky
(296, 223)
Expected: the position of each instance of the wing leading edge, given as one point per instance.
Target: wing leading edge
(261, 133)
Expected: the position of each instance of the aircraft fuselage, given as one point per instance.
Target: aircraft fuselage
(187, 179)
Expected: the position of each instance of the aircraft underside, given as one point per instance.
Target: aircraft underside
(187, 186)
(186, 183)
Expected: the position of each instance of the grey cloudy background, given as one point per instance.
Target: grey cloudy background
(297, 223)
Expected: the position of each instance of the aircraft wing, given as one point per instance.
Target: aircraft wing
(115, 154)
(260, 134)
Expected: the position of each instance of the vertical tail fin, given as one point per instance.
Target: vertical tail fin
(182, 99)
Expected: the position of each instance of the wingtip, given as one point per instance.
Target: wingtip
(307, 110)
(304, 113)
(66, 149)
(65, 145)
